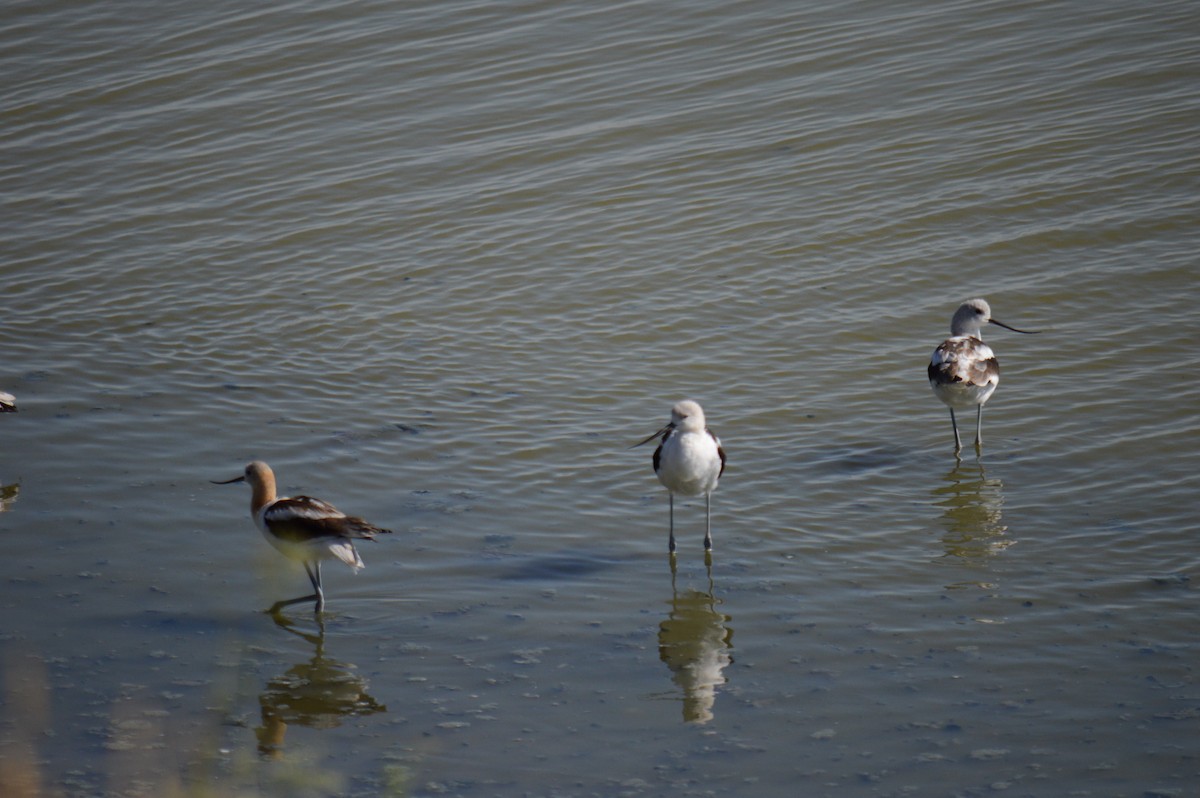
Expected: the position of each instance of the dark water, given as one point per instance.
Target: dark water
(442, 264)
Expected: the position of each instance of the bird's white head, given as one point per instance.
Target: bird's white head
(687, 416)
(970, 317)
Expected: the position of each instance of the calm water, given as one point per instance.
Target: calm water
(442, 263)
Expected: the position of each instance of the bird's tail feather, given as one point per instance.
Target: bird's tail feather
(344, 550)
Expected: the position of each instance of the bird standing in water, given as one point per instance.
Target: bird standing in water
(963, 371)
(304, 529)
(689, 460)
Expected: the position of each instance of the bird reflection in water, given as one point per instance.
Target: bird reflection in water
(317, 693)
(695, 641)
(971, 505)
(8, 495)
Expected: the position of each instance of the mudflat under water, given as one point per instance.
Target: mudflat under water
(441, 264)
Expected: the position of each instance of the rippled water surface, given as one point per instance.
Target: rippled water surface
(442, 263)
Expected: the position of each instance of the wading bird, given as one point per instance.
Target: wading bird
(303, 528)
(963, 371)
(689, 460)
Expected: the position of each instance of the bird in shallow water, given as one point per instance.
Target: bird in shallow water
(303, 528)
(8, 403)
(963, 371)
(689, 460)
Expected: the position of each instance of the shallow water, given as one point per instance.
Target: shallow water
(442, 264)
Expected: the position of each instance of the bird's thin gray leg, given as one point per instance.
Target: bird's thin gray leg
(314, 576)
(279, 605)
(979, 427)
(671, 539)
(957, 441)
(708, 522)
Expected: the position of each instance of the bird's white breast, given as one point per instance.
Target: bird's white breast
(690, 463)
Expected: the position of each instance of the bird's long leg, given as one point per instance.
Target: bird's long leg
(279, 605)
(314, 576)
(979, 427)
(671, 539)
(957, 441)
(708, 522)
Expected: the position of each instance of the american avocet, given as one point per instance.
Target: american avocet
(303, 528)
(963, 371)
(8, 403)
(688, 460)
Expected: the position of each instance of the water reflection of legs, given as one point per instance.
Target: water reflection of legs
(972, 506)
(316, 693)
(708, 563)
(695, 642)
